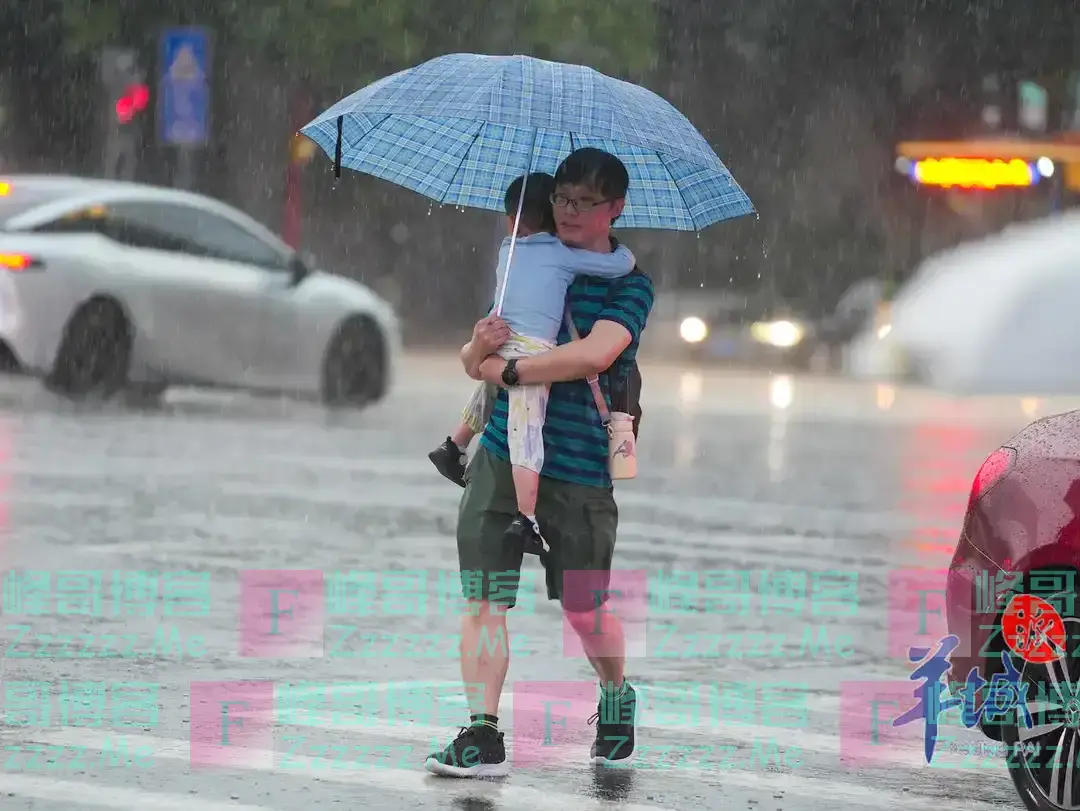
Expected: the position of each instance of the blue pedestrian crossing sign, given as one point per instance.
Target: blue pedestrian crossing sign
(184, 87)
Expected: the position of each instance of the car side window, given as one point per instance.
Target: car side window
(123, 226)
(223, 239)
(148, 227)
(196, 232)
(92, 220)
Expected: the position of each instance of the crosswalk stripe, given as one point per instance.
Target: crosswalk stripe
(802, 740)
(80, 793)
(400, 780)
(511, 796)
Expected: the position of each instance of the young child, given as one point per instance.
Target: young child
(533, 308)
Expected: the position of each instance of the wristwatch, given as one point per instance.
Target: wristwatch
(510, 375)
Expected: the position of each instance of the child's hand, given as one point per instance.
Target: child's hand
(489, 334)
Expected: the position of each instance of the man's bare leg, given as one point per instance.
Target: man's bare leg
(479, 750)
(485, 656)
(602, 636)
(604, 641)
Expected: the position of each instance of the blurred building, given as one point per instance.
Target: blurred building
(1020, 162)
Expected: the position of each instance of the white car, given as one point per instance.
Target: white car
(994, 316)
(110, 288)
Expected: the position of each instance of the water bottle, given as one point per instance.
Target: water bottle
(622, 447)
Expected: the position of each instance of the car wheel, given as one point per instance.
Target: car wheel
(94, 354)
(355, 373)
(1043, 760)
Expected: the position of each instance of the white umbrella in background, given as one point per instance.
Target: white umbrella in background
(998, 316)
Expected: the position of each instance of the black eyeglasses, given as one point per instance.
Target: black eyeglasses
(562, 201)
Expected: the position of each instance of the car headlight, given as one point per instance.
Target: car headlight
(782, 334)
(693, 330)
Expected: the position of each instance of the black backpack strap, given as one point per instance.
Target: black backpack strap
(624, 384)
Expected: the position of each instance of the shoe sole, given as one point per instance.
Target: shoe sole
(440, 769)
(615, 764)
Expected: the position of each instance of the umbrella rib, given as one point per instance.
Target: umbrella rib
(672, 150)
(464, 158)
(663, 161)
(678, 188)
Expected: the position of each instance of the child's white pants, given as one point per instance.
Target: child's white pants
(528, 407)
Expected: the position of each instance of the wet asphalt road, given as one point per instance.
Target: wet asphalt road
(113, 689)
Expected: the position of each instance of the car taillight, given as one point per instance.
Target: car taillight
(993, 470)
(18, 261)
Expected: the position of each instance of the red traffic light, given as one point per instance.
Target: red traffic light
(134, 101)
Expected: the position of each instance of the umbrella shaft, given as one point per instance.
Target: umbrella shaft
(513, 244)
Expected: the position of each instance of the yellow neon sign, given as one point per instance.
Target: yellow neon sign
(973, 173)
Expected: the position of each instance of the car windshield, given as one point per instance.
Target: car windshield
(16, 199)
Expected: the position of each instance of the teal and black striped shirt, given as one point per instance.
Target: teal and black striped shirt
(575, 442)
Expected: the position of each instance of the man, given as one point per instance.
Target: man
(576, 507)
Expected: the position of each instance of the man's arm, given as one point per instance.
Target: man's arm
(619, 323)
(572, 361)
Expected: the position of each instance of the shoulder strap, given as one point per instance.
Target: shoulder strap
(594, 381)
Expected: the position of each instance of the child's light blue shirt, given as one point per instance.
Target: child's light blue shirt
(543, 269)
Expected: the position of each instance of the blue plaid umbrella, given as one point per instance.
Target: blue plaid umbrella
(460, 128)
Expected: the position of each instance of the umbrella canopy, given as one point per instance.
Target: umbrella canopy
(460, 128)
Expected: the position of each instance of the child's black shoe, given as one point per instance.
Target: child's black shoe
(523, 531)
(450, 460)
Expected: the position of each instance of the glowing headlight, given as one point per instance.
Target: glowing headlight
(783, 334)
(693, 330)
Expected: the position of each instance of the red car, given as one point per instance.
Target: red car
(1022, 535)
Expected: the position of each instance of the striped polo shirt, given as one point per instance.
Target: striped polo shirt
(575, 441)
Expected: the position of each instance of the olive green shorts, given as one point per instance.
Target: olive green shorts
(577, 521)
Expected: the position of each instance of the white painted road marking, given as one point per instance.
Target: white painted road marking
(79, 793)
(803, 740)
(822, 790)
(327, 770)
